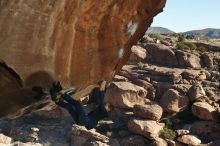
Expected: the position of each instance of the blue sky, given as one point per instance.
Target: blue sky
(185, 15)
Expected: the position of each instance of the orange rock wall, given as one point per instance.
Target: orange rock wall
(77, 42)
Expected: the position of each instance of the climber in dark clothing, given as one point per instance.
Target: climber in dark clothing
(97, 96)
(73, 106)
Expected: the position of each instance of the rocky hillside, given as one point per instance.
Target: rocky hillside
(168, 94)
(205, 33)
(159, 30)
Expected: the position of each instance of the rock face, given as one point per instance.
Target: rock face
(75, 42)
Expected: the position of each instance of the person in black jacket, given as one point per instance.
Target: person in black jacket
(73, 106)
(97, 96)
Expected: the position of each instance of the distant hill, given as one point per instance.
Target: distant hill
(160, 30)
(206, 33)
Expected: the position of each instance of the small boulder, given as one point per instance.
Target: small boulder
(159, 142)
(118, 78)
(161, 54)
(5, 139)
(203, 110)
(181, 132)
(148, 128)
(137, 54)
(195, 92)
(80, 136)
(207, 60)
(189, 139)
(208, 129)
(188, 60)
(151, 112)
(125, 95)
(173, 102)
(147, 86)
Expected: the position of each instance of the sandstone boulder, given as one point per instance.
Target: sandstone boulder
(172, 101)
(189, 139)
(148, 128)
(5, 139)
(189, 74)
(121, 115)
(161, 54)
(203, 111)
(125, 95)
(147, 39)
(151, 91)
(150, 112)
(118, 78)
(188, 60)
(161, 88)
(208, 129)
(181, 132)
(207, 60)
(159, 142)
(138, 54)
(80, 136)
(196, 91)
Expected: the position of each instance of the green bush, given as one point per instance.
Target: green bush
(202, 49)
(167, 133)
(155, 36)
(169, 123)
(141, 65)
(181, 38)
(186, 46)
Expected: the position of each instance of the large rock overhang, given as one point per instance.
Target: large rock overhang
(77, 42)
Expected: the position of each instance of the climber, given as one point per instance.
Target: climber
(97, 96)
(73, 106)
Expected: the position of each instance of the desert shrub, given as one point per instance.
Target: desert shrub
(185, 46)
(155, 36)
(181, 38)
(140, 65)
(169, 123)
(167, 133)
(202, 49)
